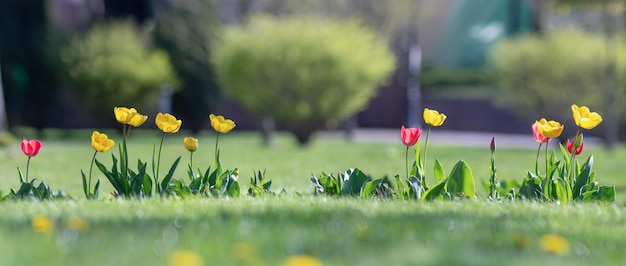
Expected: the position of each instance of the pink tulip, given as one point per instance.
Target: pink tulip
(410, 135)
(538, 137)
(31, 147)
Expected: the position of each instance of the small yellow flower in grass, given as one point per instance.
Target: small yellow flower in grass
(76, 224)
(42, 224)
(433, 118)
(167, 123)
(101, 142)
(585, 118)
(246, 253)
(554, 244)
(185, 258)
(220, 124)
(191, 144)
(302, 260)
(549, 129)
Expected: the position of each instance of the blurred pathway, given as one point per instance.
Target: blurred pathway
(453, 138)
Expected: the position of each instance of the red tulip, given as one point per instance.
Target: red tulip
(570, 146)
(538, 137)
(31, 147)
(410, 135)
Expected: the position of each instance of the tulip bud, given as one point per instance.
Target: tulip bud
(493, 144)
(578, 142)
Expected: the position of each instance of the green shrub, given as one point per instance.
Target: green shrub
(110, 66)
(545, 75)
(307, 74)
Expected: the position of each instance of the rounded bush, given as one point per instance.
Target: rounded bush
(545, 75)
(110, 66)
(307, 74)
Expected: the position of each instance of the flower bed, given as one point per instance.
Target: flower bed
(562, 180)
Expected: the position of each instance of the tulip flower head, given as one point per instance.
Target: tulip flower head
(167, 123)
(571, 146)
(124, 115)
(137, 120)
(538, 137)
(433, 118)
(220, 124)
(585, 118)
(31, 147)
(549, 129)
(410, 136)
(101, 142)
(191, 144)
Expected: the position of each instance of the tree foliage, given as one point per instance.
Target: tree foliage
(110, 66)
(306, 73)
(547, 74)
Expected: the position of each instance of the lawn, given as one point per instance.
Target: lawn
(265, 231)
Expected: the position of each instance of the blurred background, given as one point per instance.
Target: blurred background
(311, 65)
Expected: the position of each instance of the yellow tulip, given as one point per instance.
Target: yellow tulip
(584, 118)
(549, 129)
(101, 142)
(168, 123)
(124, 115)
(191, 144)
(137, 120)
(433, 118)
(220, 124)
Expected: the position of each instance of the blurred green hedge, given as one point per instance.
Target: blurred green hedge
(110, 65)
(544, 75)
(307, 74)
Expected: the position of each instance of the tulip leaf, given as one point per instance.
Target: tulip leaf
(166, 180)
(96, 190)
(584, 177)
(370, 187)
(461, 180)
(434, 192)
(233, 188)
(565, 155)
(561, 191)
(602, 193)
(438, 172)
(355, 182)
(415, 187)
(401, 189)
(85, 189)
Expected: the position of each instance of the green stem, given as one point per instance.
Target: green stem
(494, 178)
(547, 145)
(217, 140)
(406, 162)
(90, 168)
(156, 177)
(571, 161)
(537, 160)
(191, 160)
(425, 148)
(27, 165)
(123, 154)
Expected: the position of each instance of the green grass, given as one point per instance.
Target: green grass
(264, 231)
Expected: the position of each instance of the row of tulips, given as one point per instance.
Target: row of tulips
(562, 180)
